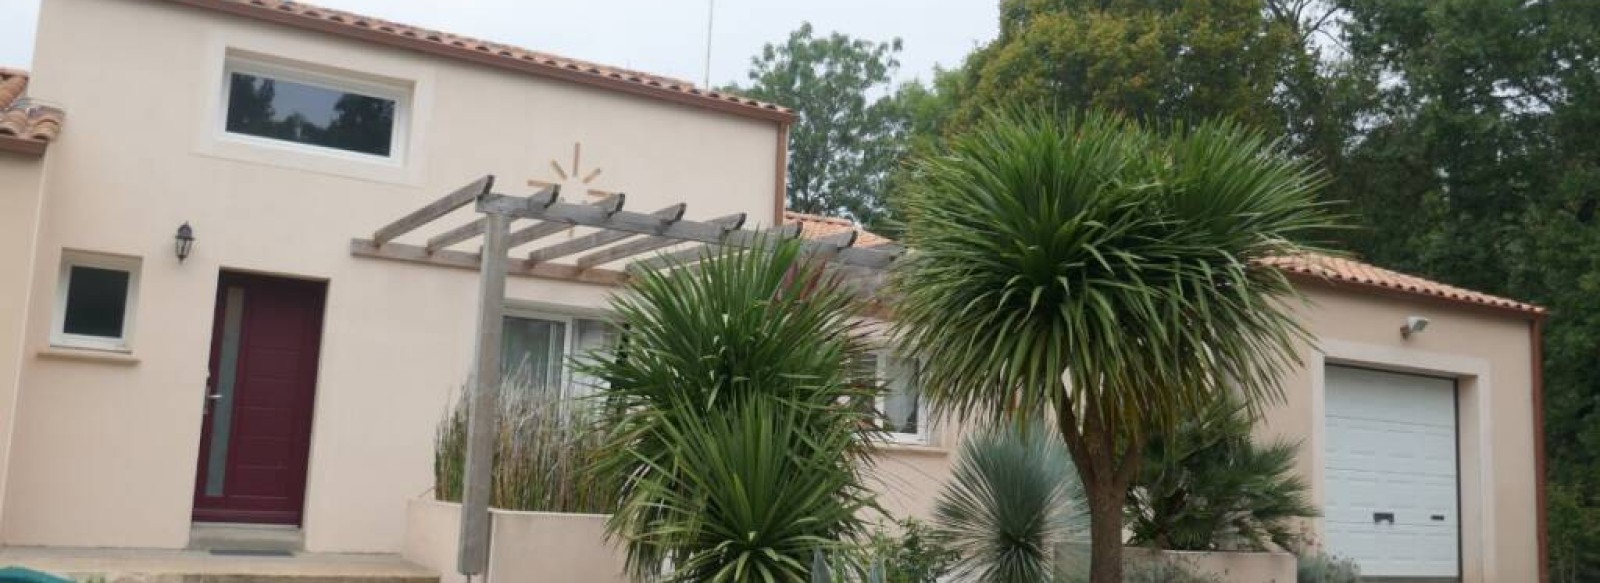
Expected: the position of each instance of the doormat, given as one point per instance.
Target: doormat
(250, 553)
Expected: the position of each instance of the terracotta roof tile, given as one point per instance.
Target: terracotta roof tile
(1342, 270)
(815, 226)
(327, 19)
(22, 118)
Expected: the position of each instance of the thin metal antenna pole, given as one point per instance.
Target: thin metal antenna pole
(711, 12)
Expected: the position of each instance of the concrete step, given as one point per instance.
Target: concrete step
(197, 566)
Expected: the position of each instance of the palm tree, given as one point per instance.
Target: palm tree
(1012, 506)
(1209, 486)
(732, 417)
(1106, 274)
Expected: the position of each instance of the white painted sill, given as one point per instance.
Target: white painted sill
(911, 448)
(101, 355)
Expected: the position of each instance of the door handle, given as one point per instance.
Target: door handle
(1382, 517)
(214, 396)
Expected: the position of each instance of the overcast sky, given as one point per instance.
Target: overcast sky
(665, 37)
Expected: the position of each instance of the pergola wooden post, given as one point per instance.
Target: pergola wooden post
(618, 236)
(473, 555)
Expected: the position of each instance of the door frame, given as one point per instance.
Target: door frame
(1455, 418)
(1475, 463)
(314, 338)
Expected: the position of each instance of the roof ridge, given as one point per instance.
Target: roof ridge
(312, 7)
(384, 31)
(821, 218)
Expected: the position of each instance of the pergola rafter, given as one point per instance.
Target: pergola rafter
(617, 238)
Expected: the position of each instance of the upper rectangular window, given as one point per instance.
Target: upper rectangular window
(96, 298)
(299, 108)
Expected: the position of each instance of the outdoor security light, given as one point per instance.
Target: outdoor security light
(185, 241)
(1414, 324)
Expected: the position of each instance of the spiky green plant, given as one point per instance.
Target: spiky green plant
(543, 447)
(1012, 505)
(1209, 486)
(1105, 273)
(704, 346)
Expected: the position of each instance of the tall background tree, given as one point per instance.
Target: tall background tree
(849, 133)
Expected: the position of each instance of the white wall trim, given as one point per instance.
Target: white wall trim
(1472, 389)
(388, 75)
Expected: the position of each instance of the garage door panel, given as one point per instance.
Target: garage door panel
(1390, 450)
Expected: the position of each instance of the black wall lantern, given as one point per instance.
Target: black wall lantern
(185, 241)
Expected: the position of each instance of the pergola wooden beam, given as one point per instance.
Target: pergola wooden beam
(648, 244)
(434, 210)
(696, 253)
(645, 224)
(666, 216)
(475, 228)
(542, 229)
(473, 262)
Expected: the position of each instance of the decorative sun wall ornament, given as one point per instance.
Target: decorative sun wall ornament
(574, 179)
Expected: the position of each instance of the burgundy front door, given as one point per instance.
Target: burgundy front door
(257, 431)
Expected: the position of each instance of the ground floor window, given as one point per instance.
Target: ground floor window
(94, 307)
(538, 350)
(904, 414)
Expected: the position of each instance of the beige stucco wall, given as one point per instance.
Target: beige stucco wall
(21, 183)
(104, 454)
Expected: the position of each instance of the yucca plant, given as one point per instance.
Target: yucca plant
(1208, 485)
(1013, 509)
(704, 348)
(1105, 273)
(543, 448)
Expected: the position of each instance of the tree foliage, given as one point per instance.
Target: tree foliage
(1156, 60)
(849, 133)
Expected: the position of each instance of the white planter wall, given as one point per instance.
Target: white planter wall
(526, 547)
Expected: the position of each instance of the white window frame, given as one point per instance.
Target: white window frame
(69, 259)
(307, 75)
(881, 357)
(569, 344)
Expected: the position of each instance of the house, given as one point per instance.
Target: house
(269, 370)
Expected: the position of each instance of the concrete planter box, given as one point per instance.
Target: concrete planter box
(1231, 567)
(525, 546)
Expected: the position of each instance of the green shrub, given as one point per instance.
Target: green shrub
(1325, 569)
(1165, 570)
(1209, 486)
(543, 446)
(910, 553)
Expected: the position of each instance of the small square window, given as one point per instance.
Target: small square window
(96, 298)
(284, 106)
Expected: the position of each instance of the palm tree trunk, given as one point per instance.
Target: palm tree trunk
(1105, 501)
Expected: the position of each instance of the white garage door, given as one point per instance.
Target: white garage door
(1390, 499)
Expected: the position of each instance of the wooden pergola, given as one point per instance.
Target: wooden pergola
(615, 242)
